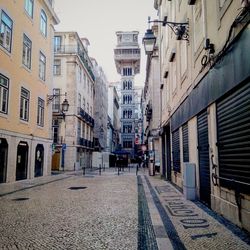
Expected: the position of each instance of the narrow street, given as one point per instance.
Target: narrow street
(107, 211)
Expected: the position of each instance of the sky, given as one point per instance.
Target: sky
(98, 20)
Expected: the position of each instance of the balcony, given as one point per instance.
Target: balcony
(72, 49)
(86, 117)
(127, 54)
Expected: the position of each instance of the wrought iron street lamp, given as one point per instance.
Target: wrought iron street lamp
(65, 104)
(180, 30)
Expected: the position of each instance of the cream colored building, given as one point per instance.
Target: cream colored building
(100, 108)
(73, 75)
(26, 60)
(151, 100)
(205, 93)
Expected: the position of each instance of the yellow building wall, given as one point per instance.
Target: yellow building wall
(19, 76)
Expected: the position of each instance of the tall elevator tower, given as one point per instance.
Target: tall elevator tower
(127, 57)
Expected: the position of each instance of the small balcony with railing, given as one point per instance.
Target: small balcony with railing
(127, 54)
(85, 143)
(86, 117)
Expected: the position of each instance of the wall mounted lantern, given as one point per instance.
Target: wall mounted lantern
(64, 105)
(180, 30)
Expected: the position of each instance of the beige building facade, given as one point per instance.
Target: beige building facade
(100, 108)
(72, 130)
(152, 104)
(205, 96)
(26, 60)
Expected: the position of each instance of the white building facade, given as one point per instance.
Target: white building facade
(72, 131)
(127, 58)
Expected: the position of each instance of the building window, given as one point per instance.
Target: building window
(4, 94)
(127, 71)
(29, 5)
(57, 67)
(27, 46)
(42, 66)
(5, 31)
(24, 104)
(127, 144)
(55, 128)
(57, 43)
(40, 112)
(83, 103)
(79, 100)
(56, 100)
(43, 23)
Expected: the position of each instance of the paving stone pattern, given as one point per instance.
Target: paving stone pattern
(193, 227)
(146, 235)
(101, 216)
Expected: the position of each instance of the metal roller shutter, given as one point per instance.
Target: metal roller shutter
(203, 150)
(185, 143)
(233, 131)
(176, 150)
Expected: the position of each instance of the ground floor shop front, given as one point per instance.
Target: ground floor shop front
(23, 157)
(211, 129)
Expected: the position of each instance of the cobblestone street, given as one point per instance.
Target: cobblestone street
(72, 211)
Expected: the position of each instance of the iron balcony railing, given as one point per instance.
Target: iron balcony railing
(86, 117)
(72, 49)
(86, 143)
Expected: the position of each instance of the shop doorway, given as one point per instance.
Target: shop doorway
(22, 161)
(39, 160)
(3, 159)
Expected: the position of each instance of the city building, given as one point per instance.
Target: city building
(113, 133)
(100, 108)
(74, 77)
(26, 62)
(127, 59)
(205, 93)
(152, 103)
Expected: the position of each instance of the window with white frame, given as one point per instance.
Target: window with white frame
(57, 43)
(40, 112)
(24, 104)
(29, 6)
(42, 66)
(27, 46)
(43, 23)
(4, 94)
(5, 31)
(57, 67)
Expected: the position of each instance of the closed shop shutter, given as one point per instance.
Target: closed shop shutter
(203, 152)
(185, 143)
(233, 121)
(176, 150)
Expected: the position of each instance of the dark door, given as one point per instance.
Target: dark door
(233, 131)
(39, 160)
(168, 147)
(163, 137)
(3, 159)
(176, 151)
(22, 161)
(203, 151)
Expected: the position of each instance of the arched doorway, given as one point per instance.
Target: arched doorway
(22, 161)
(39, 157)
(3, 159)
